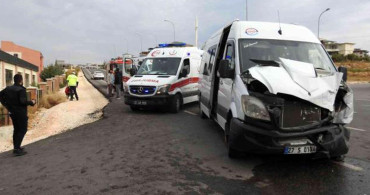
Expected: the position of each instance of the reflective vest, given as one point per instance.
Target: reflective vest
(72, 80)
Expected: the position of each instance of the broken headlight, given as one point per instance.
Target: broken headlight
(254, 108)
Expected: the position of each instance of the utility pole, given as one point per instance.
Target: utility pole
(156, 40)
(196, 31)
(141, 42)
(246, 10)
(127, 46)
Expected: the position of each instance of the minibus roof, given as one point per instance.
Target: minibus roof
(269, 30)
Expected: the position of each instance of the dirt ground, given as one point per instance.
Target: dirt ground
(65, 116)
(357, 71)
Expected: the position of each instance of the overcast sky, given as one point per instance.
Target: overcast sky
(81, 31)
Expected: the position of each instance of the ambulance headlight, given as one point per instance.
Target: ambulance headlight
(163, 89)
(254, 108)
(125, 88)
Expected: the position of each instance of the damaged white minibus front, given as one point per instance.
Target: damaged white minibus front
(286, 95)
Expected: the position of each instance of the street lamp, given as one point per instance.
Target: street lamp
(141, 41)
(318, 23)
(174, 32)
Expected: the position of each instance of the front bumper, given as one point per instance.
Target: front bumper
(331, 141)
(151, 101)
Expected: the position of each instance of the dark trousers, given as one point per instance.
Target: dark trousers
(20, 128)
(73, 91)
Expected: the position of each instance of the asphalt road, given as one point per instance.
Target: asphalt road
(360, 126)
(101, 85)
(154, 152)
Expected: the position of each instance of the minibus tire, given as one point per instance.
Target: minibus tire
(176, 104)
(232, 153)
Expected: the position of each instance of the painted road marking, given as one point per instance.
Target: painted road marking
(353, 167)
(192, 113)
(356, 129)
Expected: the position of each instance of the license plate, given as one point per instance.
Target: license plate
(299, 149)
(140, 102)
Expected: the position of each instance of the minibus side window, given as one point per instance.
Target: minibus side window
(205, 67)
(229, 55)
(212, 59)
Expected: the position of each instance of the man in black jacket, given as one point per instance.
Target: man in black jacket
(118, 81)
(14, 98)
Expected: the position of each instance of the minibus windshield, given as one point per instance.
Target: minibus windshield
(159, 66)
(253, 50)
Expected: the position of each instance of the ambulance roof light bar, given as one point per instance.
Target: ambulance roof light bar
(162, 45)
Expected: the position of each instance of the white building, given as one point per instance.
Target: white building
(338, 48)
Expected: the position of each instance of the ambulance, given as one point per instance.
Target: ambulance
(168, 77)
(125, 65)
(274, 89)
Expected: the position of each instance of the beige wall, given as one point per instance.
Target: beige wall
(346, 48)
(5, 66)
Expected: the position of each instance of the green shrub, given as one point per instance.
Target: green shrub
(338, 57)
(51, 71)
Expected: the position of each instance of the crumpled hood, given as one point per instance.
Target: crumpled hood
(151, 80)
(299, 79)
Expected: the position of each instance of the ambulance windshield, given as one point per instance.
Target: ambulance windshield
(253, 50)
(159, 66)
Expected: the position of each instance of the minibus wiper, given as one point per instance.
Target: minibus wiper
(266, 62)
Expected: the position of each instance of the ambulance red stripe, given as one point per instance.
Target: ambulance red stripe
(185, 82)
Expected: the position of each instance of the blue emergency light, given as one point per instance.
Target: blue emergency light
(172, 45)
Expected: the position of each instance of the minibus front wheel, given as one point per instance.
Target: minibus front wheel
(231, 152)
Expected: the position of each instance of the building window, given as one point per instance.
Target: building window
(27, 79)
(8, 77)
(33, 80)
(16, 55)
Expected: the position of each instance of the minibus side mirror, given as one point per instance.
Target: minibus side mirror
(344, 71)
(224, 70)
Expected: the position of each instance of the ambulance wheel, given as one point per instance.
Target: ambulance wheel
(176, 104)
(134, 108)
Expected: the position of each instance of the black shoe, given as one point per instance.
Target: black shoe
(19, 152)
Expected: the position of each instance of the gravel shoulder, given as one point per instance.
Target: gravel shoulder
(62, 117)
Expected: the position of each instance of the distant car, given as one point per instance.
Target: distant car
(98, 75)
